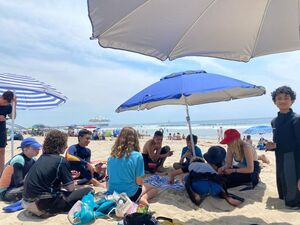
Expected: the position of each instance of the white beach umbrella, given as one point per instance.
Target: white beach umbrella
(31, 94)
(168, 29)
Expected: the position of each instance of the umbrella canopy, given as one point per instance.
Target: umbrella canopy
(31, 93)
(169, 29)
(191, 88)
(259, 130)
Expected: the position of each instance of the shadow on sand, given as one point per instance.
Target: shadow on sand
(234, 220)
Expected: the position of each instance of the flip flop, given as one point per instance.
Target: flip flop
(13, 207)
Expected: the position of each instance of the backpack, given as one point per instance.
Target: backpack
(87, 210)
(140, 219)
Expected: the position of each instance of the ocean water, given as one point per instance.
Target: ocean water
(206, 129)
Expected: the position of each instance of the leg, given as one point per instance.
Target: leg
(230, 199)
(2, 160)
(164, 150)
(177, 166)
(148, 192)
(13, 195)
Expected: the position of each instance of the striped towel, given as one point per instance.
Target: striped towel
(163, 183)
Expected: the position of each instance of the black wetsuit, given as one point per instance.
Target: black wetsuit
(286, 135)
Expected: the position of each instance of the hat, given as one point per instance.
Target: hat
(30, 142)
(230, 135)
(215, 155)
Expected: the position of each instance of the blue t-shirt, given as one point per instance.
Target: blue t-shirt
(197, 152)
(122, 173)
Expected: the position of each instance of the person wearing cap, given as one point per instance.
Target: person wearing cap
(49, 187)
(6, 100)
(203, 179)
(247, 168)
(12, 179)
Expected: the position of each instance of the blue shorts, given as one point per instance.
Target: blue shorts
(206, 187)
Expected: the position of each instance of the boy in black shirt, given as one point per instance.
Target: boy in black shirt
(286, 144)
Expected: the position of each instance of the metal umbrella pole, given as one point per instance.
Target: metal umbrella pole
(188, 120)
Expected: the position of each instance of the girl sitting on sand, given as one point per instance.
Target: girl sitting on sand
(125, 168)
(247, 168)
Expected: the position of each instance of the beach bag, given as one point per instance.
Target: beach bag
(87, 210)
(140, 219)
(124, 205)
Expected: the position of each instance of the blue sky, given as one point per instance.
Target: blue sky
(49, 40)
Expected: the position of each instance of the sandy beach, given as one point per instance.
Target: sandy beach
(261, 205)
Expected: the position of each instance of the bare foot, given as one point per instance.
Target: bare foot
(264, 159)
(232, 201)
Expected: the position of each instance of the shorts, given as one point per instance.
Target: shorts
(137, 194)
(3, 138)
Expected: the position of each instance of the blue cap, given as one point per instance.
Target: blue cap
(30, 142)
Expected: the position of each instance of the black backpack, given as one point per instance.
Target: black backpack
(140, 219)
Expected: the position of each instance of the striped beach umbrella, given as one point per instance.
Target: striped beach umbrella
(31, 94)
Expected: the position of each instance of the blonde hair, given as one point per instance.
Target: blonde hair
(126, 142)
(237, 148)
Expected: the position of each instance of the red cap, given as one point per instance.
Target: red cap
(230, 135)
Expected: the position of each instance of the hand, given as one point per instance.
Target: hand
(229, 170)
(2, 118)
(188, 155)
(270, 145)
(75, 174)
(221, 170)
(171, 179)
(170, 153)
(298, 185)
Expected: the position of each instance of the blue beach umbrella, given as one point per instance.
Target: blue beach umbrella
(263, 129)
(190, 88)
(30, 93)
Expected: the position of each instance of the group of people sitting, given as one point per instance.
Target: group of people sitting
(47, 185)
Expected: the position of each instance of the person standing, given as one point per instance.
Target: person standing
(286, 144)
(6, 99)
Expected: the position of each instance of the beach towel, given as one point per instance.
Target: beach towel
(163, 183)
(13, 207)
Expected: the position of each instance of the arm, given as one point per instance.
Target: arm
(139, 170)
(139, 180)
(70, 187)
(173, 174)
(13, 104)
(228, 162)
(65, 175)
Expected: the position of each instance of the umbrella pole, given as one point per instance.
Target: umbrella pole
(188, 120)
(12, 138)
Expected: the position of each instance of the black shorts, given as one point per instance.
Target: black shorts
(3, 137)
(137, 194)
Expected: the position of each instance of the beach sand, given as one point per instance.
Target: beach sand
(261, 205)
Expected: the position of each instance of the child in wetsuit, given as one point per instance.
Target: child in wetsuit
(286, 144)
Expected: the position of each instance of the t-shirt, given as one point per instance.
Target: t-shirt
(46, 176)
(4, 111)
(199, 167)
(122, 173)
(197, 152)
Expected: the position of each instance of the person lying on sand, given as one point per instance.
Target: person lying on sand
(203, 179)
